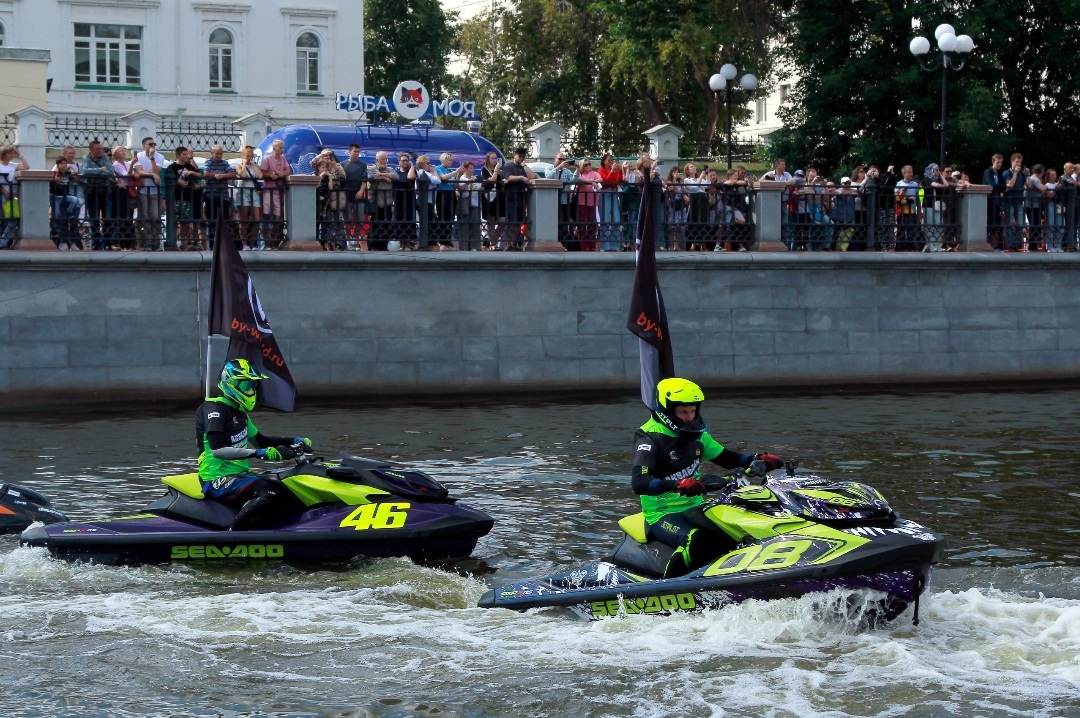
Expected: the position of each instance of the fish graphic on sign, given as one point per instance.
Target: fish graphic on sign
(411, 100)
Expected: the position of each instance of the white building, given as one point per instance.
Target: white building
(199, 60)
(763, 118)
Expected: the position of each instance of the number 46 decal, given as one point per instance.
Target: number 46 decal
(377, 516)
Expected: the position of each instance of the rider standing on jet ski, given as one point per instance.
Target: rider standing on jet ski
(223, 434)
(668, 452)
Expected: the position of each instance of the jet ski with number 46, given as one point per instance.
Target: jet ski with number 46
(790, 536)
(335, 511)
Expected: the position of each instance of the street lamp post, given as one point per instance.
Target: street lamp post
(954, 53)
(723, 81)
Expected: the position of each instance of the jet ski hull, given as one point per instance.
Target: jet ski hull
(321, 536)
(334, 512)
(892, 563)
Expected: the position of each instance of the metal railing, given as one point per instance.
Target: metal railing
(1034, 220)
(80, 131)
(819, 217)
(198, 136)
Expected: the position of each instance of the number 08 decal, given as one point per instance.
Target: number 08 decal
(377, 516)
(782, 554)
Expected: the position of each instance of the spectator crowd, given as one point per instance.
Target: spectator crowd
(109, 201)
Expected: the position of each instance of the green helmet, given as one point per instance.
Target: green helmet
(238, 379)
(673, 393)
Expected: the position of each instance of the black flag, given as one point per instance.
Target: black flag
(647, 318)
(237, 313)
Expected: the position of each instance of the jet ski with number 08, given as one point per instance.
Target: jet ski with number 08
(790, 536)
(335, 511)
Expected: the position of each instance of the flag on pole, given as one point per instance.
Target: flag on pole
(647, 318)
(237, 313)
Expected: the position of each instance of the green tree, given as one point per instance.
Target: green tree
(867, 100)
(608, 69)
(406, 41)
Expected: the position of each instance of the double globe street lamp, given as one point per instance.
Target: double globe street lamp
(954, 53)
(724, 80)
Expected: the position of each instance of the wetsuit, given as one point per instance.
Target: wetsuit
(661, 459)
(223, 435)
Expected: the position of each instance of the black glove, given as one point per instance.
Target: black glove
(276, 453)
(757, 468)
(690, 487)
(772, 461)
(712, 482)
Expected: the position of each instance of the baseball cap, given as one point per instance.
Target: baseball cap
(956, 174)
(799, 173)
(845, 180)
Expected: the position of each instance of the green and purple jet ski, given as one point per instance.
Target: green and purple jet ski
(790, 536)
(337, 511)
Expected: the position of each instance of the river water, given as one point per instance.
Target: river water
(1000, 630)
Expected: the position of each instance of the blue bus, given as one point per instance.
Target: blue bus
(303, 142)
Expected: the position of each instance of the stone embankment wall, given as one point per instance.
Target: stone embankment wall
(92, 329)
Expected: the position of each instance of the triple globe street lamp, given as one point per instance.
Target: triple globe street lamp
(724, 80)
(954, 53)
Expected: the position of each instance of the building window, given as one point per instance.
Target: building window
(307, 63)
(784, 90)
(221, 54)
(762, 110)
(108, 54)
(1, 35)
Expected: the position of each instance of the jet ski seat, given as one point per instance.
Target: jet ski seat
(187, 484)
(635, 527)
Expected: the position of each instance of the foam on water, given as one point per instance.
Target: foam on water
(992, 651)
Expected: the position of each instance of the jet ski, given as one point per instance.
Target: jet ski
(20, 507)
(336, 511)
(790, 536)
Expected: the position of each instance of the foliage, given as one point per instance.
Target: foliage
(867, 100)
(406, 40)
(606, 70)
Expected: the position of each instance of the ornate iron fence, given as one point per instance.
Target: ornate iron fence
(79, 131)
(198, 136)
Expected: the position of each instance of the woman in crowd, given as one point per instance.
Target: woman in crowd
(332, 200)
(630, 201)
(675, 202)
(248, 198)
(697, 213)
(493, 201)
(427, 181)
(1055, 212)
(65, 207)
(443, 229)
(611, 178)
(588, 184)
(123, 199)
(468, 212)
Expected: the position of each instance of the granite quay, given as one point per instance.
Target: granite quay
(97, 329)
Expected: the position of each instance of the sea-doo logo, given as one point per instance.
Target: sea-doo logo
(652, 604)
(213, 415)
(273, 550)
(644, 447)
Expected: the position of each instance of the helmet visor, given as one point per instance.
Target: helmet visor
(245, 386)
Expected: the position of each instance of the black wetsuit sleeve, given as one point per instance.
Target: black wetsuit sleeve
(733, 459)
(264, 440)
(643, 478)
(213, 424)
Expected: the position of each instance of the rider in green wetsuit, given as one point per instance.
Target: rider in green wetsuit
(668, 452)
(224, 434)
